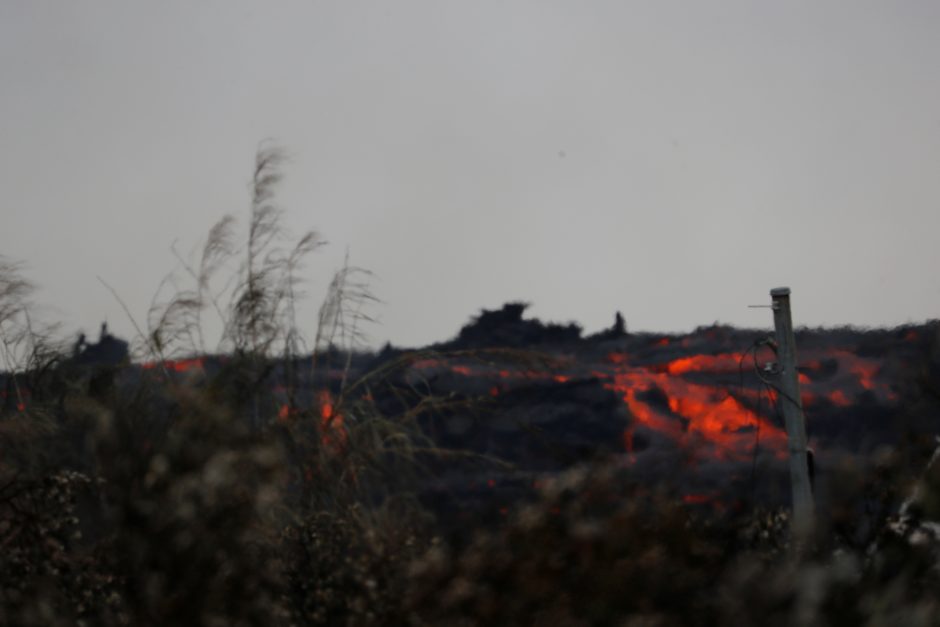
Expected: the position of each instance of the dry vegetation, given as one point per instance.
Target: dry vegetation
(152, 500)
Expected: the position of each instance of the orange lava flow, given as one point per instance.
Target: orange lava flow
(865, 369)
(865, 374)
(695, 414)
(728, 362)
(331, 422)
(176, 365)
(698, 414)
(838, 398)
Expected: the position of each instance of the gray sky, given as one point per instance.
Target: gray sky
(674, 160)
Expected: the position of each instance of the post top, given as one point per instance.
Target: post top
(780, 291)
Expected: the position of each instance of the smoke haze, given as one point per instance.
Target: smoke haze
(671, 160)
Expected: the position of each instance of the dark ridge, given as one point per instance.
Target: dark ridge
(505, 328)
(617, 331)
(107, 351)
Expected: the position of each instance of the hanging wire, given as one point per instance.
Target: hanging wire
(770, 384)
(757, 412)
(767, 387)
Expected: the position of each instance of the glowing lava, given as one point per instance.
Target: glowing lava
(176, 365)
(711, 419)
(697, 415)
(704, 363)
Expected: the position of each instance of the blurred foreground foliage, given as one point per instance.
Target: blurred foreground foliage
(161, 504)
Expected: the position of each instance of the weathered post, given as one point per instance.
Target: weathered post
(792, 404)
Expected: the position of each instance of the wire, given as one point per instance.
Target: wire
(756, 448)
(770, 384)
(776, 387)
(765, 386)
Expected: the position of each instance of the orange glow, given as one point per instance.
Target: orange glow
(712, 417)
(716, 421)
(176, 365)
(184, 365)
(865, 375)
(864, 369)
(704, 363)
(628, 440)
(331, 423)
(839, 398)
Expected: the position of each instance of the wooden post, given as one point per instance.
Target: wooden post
(792, 405)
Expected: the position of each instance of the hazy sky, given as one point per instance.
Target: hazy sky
(673, 160)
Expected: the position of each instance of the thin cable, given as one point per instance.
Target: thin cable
(774, 386)
(760, 396)
(756, 447)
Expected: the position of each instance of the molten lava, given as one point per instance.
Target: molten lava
(720, 422)
(704, 363)
(697, 414)
(331, 422)
(176, 365)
